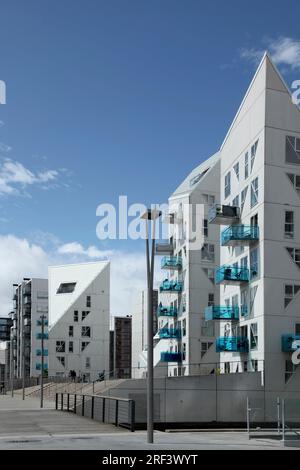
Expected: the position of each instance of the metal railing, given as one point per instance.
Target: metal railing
(111, 410)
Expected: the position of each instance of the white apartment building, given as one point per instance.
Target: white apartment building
(259, 214)
(79, 309)
(30, 303)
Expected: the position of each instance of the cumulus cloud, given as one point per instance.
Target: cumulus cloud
(284, 51)
(22, 258)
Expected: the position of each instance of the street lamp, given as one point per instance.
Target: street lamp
(150, 215)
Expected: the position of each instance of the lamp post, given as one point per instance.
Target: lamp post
(42, 317)
(150, 216)
(11, 363)
(25, 279)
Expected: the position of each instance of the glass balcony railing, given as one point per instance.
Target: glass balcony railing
(289, 344)
(166, 311)
(219, 312)
(244, 311)
(171, 262)
(169, 333)
(39, 352)
(223, 215)
(38, 366)
(232, 344)
(39, 336)
(171, 286)
(232, 275)
(39, 323)
(170, 357)
(239, 235)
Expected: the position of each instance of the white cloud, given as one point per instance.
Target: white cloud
(283, 50)
(21, 258)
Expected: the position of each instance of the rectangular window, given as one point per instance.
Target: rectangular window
(289, 224)
(253, 336)
(227, 185)
(84, 345)
(210, 273)
(88, 301)
(254, 263)
(208, 199)
(254, 220)
(205, 227)
(86, 331)
(75, 316)
(246, 165)
(62, 360)
(87, 362)
(236, 201)
(183, 351)
(254, 192)
(66, 288)
(243, 197)
(208, 252)
(211, 299)
(295, 255)
(71, 330)
(236, 168)
(244, 262)
(84, 314)
(253, 153)
(297, 329)
(208, 329)
(184, 327)
(70, 346)
(205, 347)
(60, 346)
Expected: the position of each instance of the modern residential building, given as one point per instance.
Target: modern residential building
(259, 214)
(5, 326)
(184, 341)
(79, 319)
(30, 303)
(122, 347)
(139, 331)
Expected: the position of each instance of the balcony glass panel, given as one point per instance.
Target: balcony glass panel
(39, 352)
(223, 215)
(239, 233)
(171, 286)
(166, 311)
(171, 262)
(232, 343)
(170, 357)
(38, 366)
(169, 333)
(232, 274)
(288, 343)
(39, 336)
(219, 312)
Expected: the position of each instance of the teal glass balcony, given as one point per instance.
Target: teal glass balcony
(171, 262)
(223, 215)
(219, 312)
(39, 352)
(170, 357)
(244, 311)
(288, 343)
(39, 323)
(232, 275)
(38, 366)
(236, 235)
(171, 286)
(39, 336)
(238, 344)
(169, 333)
(166, 311)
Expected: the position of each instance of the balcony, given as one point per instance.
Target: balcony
(171, 286)
(170, 357)
(171, 262)
(166, 311)
(238, 344)
(38, 366)
(39, 323)
(39, 336)
(219, 312)
(164, 248)
(287, 342)
(223, 215)
(39, 352)
(232, 275)
(169, 333)
(237, 235)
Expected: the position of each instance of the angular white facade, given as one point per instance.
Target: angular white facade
(79, 319)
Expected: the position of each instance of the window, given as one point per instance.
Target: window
(246, 165)
(253, 153)
(211, 300)
(236, 201)
(84, 345)
(243, 197)
(254, 263)
(295, 180)
(184, 327)
(253, 291)
(254, 192)
(208, 252)
(208, 199)
(253, 336)
(290, 291)
(292, 150)
(183, 302)
(290, 369)
(210, 273)
(236, 168)
(84, 314)
(197, 178)
(205, 227)
(254, 220)
(183, 350)
(71, 330)
(244, 262)
(295, 255)
(297, 329)
(86, 331)
(235, 301)
(289, 224)
(62, 360)
(208, 329)
(227, 185)
(205, 347)
(60, 346)
(87, 362)
(70, 346)
(88, 301)
(75, 316)
(66, 288)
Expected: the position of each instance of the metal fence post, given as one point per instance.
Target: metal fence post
(92, 407)
(117, 413)
(132, 416)
(93, 388)
(82, 411)
(103, 410)
(56, 401)
(283, 419)
(62, 401)
(248, 417)
(68, 402)
(278, 415)
(75, 402)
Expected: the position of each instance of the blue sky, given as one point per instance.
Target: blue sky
(119, 97)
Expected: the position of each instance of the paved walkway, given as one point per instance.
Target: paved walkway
(23, 425)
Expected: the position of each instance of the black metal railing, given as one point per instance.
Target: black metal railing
(110, 410)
